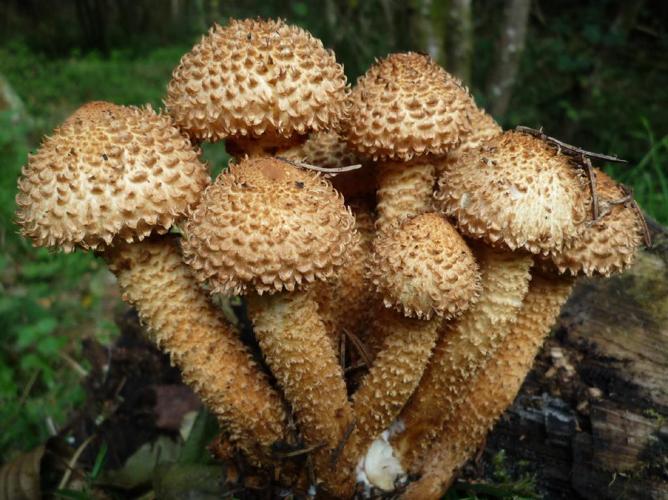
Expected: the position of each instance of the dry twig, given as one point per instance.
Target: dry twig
(359, 346)
(329, 172)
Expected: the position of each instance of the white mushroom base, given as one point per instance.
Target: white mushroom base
(380, 468)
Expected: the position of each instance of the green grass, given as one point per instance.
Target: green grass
(49, 301)
(649, 177)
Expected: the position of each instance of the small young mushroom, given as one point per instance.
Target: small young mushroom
(462, 347)
(425, 269)
(263, 85)
(108, 178)
(404, 112)
(264, 229)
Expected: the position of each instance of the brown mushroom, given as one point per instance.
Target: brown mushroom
(405, 111)
(108, 178)
(426, 269)
(263, 85)
(462, 348)
(265, 229)
(515, 192)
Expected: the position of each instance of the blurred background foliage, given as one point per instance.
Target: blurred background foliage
(593, 74)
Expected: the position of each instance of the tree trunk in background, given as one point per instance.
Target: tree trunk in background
(428, 28)
(506, 63)
(459, 35)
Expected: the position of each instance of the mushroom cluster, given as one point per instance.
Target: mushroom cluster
(401, 256)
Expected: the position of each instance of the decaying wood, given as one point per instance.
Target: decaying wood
(591, 417)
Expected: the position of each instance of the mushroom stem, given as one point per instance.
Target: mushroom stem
(404, 190)
(212, 359)
(463, 347)
(493, 389)
(344, 303)
(395, 374)
(294, 341)
(265, 145)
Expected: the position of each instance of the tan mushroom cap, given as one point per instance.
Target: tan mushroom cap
(108, 172)
(255, 77)
(329, 150)
(424, 267)
(517, 192)
(610, 244)
(265, 225)
(406, 105)
(483, 128)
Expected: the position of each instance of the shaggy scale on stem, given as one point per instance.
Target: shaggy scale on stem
(213, 361)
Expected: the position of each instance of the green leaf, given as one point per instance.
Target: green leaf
(204, 430)
(30, 334)
(100, 459)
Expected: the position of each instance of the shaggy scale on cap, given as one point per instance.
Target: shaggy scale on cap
(608, 245)
(265, 225)
(516, 191)
(255, 77)
(108, 171)
(493, 389)
(213, 360)
(423, 267)
(406, 105)
(483, 128)
(329, 150)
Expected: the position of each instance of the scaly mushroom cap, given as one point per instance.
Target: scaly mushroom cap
(255, 77)
(268, 226)
(483, 128)
(329, 150)
(406, 105)
(516, 191)
(423, 267)
(610, 244)
(108, 172)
